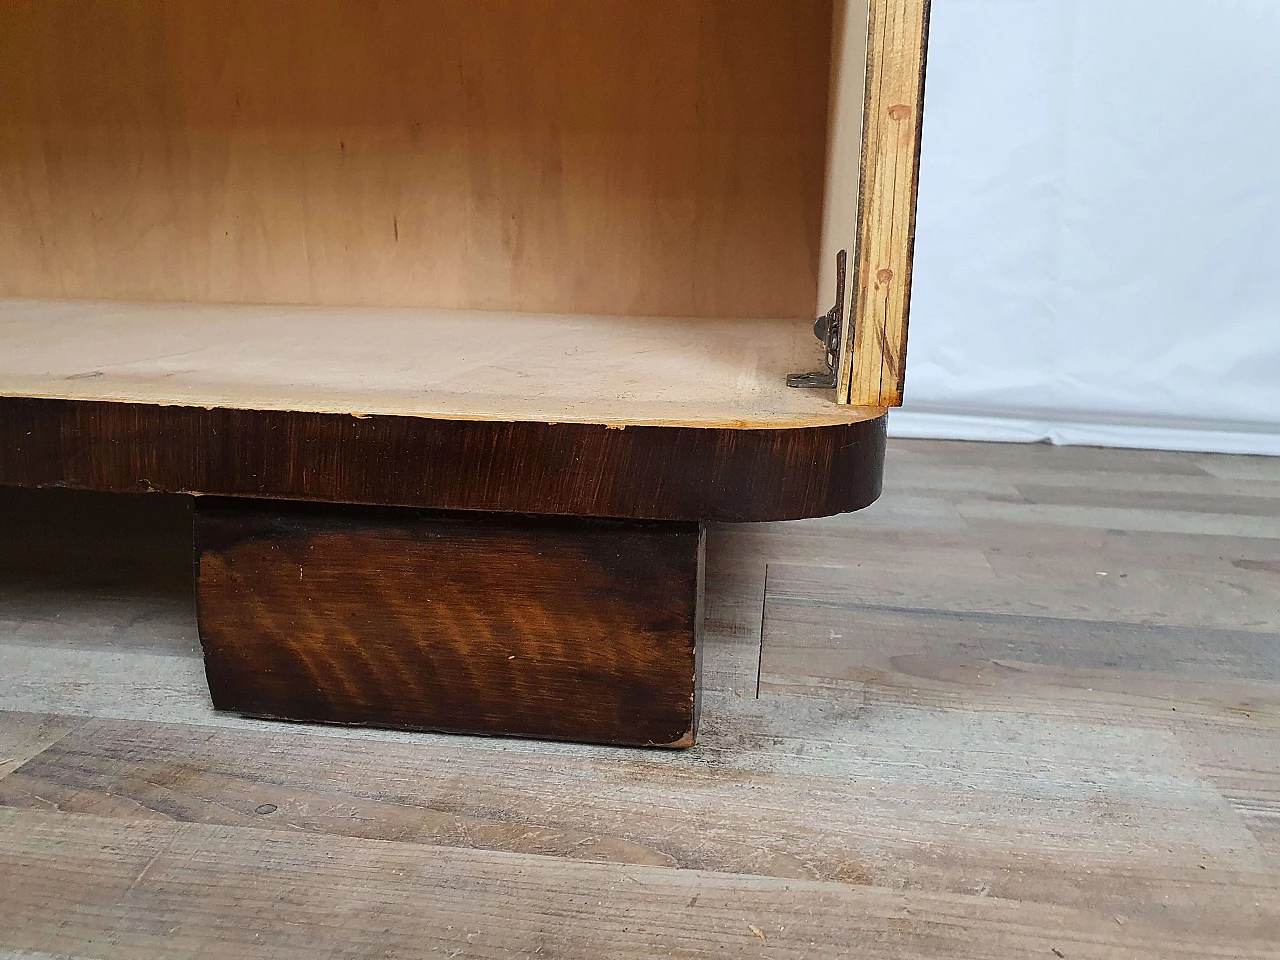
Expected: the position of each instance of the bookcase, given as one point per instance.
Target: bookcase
(460, 320)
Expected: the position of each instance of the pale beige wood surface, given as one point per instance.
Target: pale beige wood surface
(570, 156)
(968, 743)
(896, 52)
(844, 155)
(467, 365)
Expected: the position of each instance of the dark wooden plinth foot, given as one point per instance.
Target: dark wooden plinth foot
(567, 629)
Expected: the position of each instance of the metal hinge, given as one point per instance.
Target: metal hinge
(830, 330)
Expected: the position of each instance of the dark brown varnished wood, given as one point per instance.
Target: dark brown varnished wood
(566, 629)
(566, 469)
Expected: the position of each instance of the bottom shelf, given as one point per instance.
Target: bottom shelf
(584, 416)
(457, 365)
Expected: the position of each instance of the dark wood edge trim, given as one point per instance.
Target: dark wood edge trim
(644, 473)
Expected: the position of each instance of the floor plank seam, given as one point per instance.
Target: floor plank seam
(764, 607)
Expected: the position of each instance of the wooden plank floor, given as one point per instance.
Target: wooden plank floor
(1026, 706)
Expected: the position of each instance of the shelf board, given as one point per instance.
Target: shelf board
(434, 364)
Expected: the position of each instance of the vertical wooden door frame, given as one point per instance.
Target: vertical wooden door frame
(873, 357)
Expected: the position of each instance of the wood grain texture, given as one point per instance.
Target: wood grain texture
(935, 658)
(789, 787)
(566, 156)
(1017, 754)
(574, 630)
(665, 473)
(23, 736)
(898, 38)
(238, 892)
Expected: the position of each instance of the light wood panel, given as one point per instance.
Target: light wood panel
(633, 157)
(457, 365)
(897, 41)
(844, 155)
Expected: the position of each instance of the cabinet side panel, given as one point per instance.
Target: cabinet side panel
(844, 156)
(897, 40)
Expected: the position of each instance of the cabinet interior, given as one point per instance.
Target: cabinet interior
(601, 181)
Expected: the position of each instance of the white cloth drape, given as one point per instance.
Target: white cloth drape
(1098, 237)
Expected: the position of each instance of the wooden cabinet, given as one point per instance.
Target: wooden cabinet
(546, 257)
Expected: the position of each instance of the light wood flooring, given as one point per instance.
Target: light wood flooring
(1027, 706)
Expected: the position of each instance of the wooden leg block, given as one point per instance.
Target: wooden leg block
(566, 629)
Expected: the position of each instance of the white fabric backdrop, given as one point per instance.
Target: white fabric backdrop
(1098, 237)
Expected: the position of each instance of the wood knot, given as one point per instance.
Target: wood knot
(884, 276)
(899, 111)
